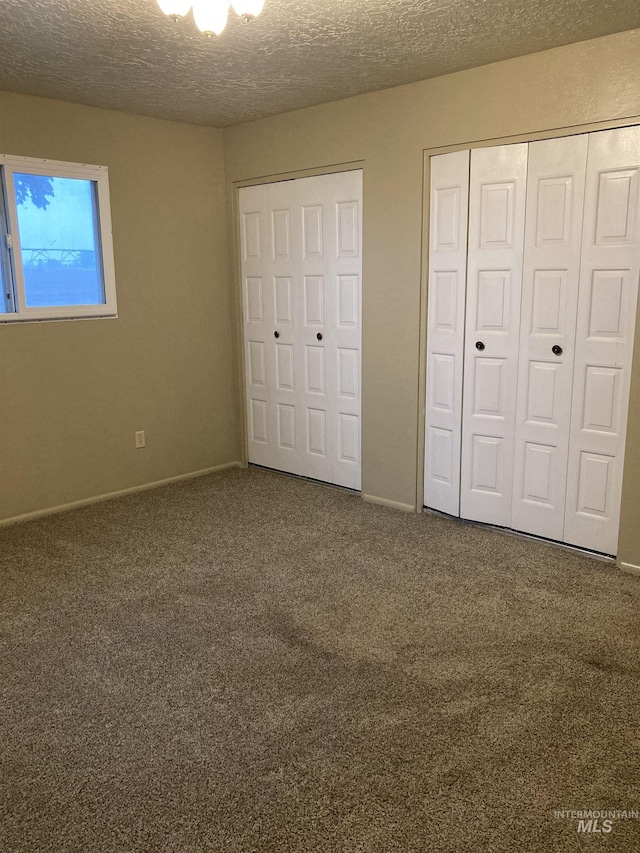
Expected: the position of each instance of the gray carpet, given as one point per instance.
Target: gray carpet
(249, 662)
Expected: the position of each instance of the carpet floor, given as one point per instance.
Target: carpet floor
(249, 662)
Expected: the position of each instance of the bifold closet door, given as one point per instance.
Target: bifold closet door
(609, 271)
(449, 196)
(553, 233)
(301, 279)
(494, 284)
(553, 262)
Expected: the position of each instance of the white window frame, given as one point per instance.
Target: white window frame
(9, 164)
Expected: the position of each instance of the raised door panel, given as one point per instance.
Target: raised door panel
(554, 195)
(555, 200)
(315, 374)
(317, 432)
(285, 376)
(602, 399)
(495, 218)
(348, 232)
(349, 373)
(257, 374)
(444, 303)
(489, 392)
(286, 427)
(448, 198)
(494, 289)
(441, 390)
(258, 421)
(539, 460)
(548, 302)
(349, 439)
(448, 203)
(312, 230)
(348, 307)
(283, 290)
(281, 233)
(616, 207)
(251, 235)
(494, 279)
(487, 464)
(608, 305)
(596, 473)
(609, 271)
(254, 299)
(543, 401)
(314, 300)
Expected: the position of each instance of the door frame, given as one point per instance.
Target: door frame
(235, 262)
(533, 136)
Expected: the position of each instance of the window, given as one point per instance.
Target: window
(56, 254)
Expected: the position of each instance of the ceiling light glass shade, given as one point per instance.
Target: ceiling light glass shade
(175, 8)
(247, 8)
(211, 16)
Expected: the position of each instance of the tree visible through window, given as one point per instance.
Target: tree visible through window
(37, 189)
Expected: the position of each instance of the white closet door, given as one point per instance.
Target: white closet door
(301, 272)
(609, 273)
(329, 326)
(494, 284)
(445, 338)
(555, 200)
(343, 325)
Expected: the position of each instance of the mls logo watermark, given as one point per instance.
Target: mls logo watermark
(592, 825)
(596, 821)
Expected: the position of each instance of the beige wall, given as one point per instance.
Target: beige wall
(73, 393)
(592, 82)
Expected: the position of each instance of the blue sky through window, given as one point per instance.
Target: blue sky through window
(59, 241)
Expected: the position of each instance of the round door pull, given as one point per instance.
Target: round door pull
(556, 350)
(276, 334)
(319, 336)
(479, 345)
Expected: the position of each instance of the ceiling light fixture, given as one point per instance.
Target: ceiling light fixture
(247, 9)
(210, 16)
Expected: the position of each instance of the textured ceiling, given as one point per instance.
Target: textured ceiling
(126, 55)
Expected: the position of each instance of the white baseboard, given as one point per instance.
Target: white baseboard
(52, 510)
(372, 499)
(629, 568)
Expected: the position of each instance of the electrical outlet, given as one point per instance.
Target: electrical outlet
(140, 440)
